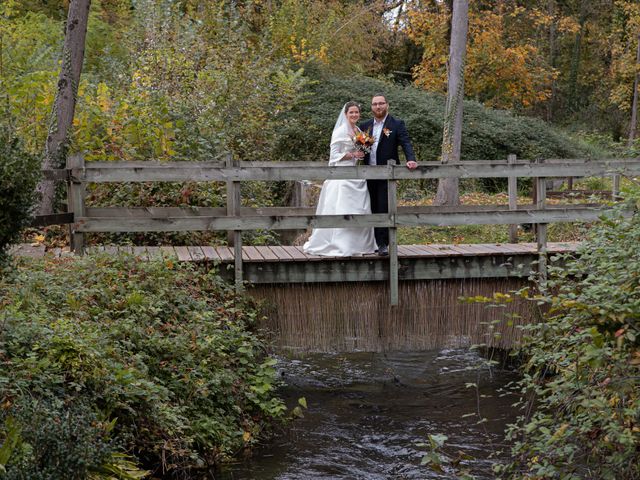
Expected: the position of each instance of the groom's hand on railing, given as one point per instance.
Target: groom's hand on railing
(411, 164)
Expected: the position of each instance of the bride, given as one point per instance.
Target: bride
(343, 197)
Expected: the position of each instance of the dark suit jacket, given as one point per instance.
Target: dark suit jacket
(388, 144)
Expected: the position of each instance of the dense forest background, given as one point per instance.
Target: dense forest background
(264, 79)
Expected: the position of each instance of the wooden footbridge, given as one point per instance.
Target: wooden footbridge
(350, 297)
(290, 264)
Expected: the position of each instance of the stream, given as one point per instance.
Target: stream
(368, 413)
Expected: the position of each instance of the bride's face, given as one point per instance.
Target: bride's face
(353, 115)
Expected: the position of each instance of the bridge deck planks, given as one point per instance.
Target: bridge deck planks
(251, 254)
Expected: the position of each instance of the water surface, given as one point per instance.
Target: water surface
(368, 412)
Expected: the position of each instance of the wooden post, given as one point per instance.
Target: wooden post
(615, 190)
(75, 200)
(234, 202)
(393, 236)
(513, 200)
(541, 228)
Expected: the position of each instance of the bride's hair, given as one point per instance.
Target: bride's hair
(348, 105)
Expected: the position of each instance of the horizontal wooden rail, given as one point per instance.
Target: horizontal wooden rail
(151, 222)
(99, 172)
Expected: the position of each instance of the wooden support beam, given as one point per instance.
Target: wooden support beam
(234, 237)
(513, 200)
(393, 236)
(615, 189)
(541, 228)
(76, 190)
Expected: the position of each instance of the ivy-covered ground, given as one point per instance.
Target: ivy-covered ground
(111, 366)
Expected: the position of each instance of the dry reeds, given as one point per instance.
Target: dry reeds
(343, 317)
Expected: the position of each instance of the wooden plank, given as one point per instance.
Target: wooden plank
(377, 269)
(520, 247)
(576, 213)
(252, 254)
(308, 256)
(225, 253)
(513, 199)
(196, 253)
(409, 251)
(76, 192)
(491, 247)
(183, 254)
(125, 249)
(439, 250)
(266, 253)
(475, 249)
(170, 212)
(237, 260)
(182, 212)
(456, 250)
(282, 254)
(210, 253)
(393, 237)
(294, 253)
(196, 171)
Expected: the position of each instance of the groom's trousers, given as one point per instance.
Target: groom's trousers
(378, 192)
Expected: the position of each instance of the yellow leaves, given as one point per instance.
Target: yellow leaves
(558, 434)
(246, 436)
(103, 97)
(501, 75)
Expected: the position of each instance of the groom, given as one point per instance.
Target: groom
(389, 134)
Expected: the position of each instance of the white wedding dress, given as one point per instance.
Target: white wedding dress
(342, 197)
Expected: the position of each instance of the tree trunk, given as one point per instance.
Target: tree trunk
(448, 193)
(577, 53)
(634, 106)
(551, 10)
(65, 102)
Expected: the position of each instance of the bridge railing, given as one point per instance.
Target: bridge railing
(236, 218)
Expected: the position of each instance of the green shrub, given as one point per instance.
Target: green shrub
(19, 173)
(582, 372)
(487, 134)
(163, 356)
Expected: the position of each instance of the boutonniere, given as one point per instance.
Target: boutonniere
(386, 132)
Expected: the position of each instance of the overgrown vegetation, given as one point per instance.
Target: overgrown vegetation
(18, 177)
(110, 365)
(581, 390)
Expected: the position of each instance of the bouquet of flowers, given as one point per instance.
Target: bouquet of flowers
(363, 141)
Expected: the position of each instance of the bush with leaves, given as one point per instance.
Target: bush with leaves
(162, 356)
(19, 173)
(487, 134)
(583, 366)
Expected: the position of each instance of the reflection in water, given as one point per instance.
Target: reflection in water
(366, 413)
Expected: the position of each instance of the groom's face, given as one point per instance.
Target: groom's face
(379, 107)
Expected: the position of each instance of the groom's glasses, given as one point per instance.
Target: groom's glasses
(376, 104)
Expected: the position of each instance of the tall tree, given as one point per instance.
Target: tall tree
(65, 102)
(634, 105)
(448, 192)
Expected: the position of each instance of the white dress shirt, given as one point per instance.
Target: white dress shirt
(377, 130)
